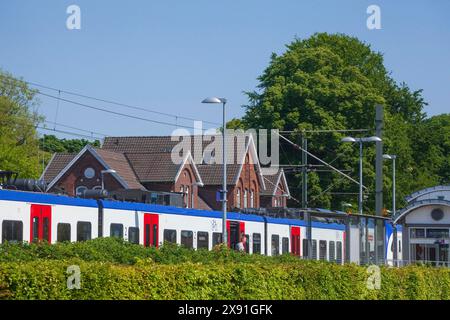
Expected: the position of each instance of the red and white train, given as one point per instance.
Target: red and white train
(26, 216)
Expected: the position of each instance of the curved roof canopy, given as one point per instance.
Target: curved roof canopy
(417, 204)
(425, 191)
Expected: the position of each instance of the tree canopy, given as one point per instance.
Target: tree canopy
(334, 81)
(52, 144)
(19, 147)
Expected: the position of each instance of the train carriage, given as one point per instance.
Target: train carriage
(28, 216)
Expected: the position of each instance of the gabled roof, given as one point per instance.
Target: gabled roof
(61, 163)
(211, 174)
(57, 163)
(272, 183)
(159, 167)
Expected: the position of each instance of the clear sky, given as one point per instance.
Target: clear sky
(168, 55)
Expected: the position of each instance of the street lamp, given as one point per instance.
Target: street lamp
(361, 141)
(103, 172)
(392, 157)
(224, 159)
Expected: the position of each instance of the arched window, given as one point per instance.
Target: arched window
(192, 197)
(238, 197)
(252, 198)
(245, 198)
(80, 190)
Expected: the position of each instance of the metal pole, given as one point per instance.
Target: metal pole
(360, 202)
(224, 185)
(379, 127)
(393, 185)
(103, 184)
(305, 173)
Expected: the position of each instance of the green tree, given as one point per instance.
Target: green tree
(334, 81)
(19, 147)
(52, 144)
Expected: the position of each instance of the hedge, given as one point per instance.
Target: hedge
(47, 279)
(40, 272)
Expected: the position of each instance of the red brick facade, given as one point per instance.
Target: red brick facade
(75, 177)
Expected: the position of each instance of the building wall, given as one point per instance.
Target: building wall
(248, 180)
(75, 176)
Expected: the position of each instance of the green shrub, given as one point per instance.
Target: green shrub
(113, 269)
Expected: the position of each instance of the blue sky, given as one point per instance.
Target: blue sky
(168, 55)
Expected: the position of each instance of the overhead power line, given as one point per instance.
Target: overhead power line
(175, 116)
(69, 133)
(320, 160)
(75, 128)
(116, 113)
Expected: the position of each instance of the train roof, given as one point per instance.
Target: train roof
(47, 198)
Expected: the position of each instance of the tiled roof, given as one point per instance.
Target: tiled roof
(271, 183)
(119, 162)
(164, 144)
(157, 167)
(139, 152)
(58, 162)
(212, 174)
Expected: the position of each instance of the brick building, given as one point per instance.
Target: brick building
(154, 163)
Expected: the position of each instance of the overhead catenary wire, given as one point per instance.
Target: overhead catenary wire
(118, 113)
(69, 133)
(75, 128)
(320, 160)
(129, 106)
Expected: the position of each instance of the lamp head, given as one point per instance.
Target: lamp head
(214, 100)
(348, 139)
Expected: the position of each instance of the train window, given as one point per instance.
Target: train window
(133, 235)
(332, 251)
(155, 235)
(63, 232)
(12, 231)
(257, 243)
(147, 235)
(305, 248)
(247, 246)
(83, 231)
(314, 249)
(45, 228)
(35, 228)
(202, 240)
(339, 252)
(275, 245)
(322, 250)
(170, 236)
(187, 239)
(285, 245)
(116, 230)
(217, 238)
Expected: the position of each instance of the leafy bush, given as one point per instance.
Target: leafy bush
(112, 269)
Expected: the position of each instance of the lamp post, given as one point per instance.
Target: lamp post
(224, 159)
(103, 172)
(361, 141)
(392, 157)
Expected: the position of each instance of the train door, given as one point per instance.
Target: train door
(41, 223)
(295, 241)
(234, 231)
(151, 229)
